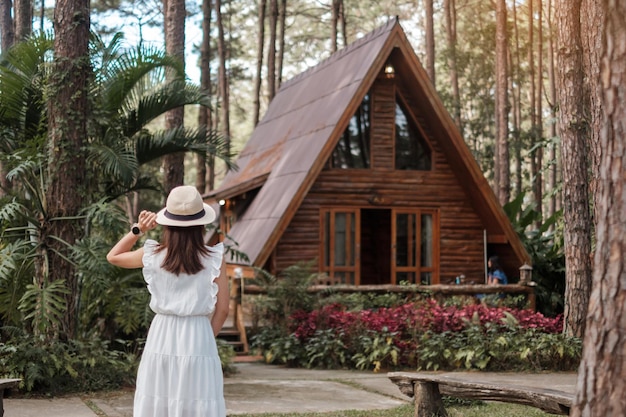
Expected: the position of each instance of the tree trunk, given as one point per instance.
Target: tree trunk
(450, 14)
(223, 76)
(538, 123)
(7, 26)
(204, 113)
(23, 10)
(592, 38)
(602, 375)
(281, 43)
(516, 92)
(173, 165)
(259, 62)
(573, 132)
(503, 179)
(430, 40)
(553, 158)
(334, 22)
(271, 52)
(67, 130)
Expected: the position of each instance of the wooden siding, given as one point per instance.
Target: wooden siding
(461, 246)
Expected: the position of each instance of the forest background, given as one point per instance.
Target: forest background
(520, 78)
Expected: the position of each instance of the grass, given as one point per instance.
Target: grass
(476, 409)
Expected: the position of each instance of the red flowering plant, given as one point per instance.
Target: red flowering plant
(404, 326)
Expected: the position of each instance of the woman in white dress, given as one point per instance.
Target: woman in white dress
(180, 374)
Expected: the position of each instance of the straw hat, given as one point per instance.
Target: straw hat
(184, 207)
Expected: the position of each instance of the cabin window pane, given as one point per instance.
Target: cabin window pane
(353, 148)
(427, 240)
(426, 278)
(408, 277)
(340, 239)
(405, 239)
(411, 150)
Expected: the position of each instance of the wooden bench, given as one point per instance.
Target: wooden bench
(6, 384)
(427, 390)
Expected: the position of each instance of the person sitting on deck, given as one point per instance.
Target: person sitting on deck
(495, 276)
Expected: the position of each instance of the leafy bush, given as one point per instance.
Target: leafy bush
(425, 335)
(60, 367)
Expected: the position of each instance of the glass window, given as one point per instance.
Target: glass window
(353, 148)
(412, 153)
(339, 240)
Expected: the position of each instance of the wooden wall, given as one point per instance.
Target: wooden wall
(461, 232)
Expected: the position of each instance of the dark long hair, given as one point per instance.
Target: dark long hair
(495, 263)
(185, 249)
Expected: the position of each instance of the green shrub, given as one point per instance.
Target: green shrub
(61, 367)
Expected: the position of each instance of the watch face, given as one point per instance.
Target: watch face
(136, 230)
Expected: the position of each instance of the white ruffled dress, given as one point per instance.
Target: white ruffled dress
(180, 374)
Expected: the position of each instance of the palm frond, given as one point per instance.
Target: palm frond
(156, 103)
(151, 146)
(129, 69)
(114, 159)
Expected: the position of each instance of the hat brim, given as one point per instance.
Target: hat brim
(209, 217)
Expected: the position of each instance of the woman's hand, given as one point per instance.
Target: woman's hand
(122, 254)
(146, 220)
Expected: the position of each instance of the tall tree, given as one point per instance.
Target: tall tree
(449, 7)
(271, 50)
(538, 112)
(204, 179)
(223, 79)
(174, 21)
(7, 26)
(592, 38)
(67, 130)
(23, 12)
(553, 157)
(429, 16)
(602, 376)
(502, 170)
(282, 20)
(262, 4)
(573, 128)
(516, 99)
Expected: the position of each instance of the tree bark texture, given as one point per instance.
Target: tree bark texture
(503, 178)
(602, 374)
(23, 11)
(592, 27)
(334, 21)
(538, 122)
(282, 21)
(573, 130)
(450, 15)
(271, 50)
(554, 156)
(516, 94)
(223, 75)
(7, 26)
(173, 165)
(259, 62)
(430, 39)
(204, 113)
(67, 130)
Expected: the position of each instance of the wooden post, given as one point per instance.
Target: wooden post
(428, 402)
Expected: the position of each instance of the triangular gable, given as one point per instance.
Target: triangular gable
(302, 125)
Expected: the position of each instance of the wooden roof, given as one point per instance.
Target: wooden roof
(303, 123)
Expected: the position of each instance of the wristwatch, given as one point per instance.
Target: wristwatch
(136, 230)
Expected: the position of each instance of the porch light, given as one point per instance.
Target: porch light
(390, 71)
(222, 202)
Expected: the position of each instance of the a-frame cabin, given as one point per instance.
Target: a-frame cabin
(358, 166)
